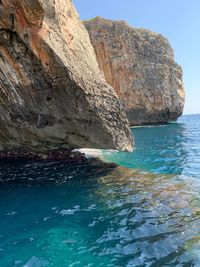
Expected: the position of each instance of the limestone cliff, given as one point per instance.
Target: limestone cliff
(52, 92)
(140, 65)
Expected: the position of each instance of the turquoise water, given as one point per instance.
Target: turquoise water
(172, 148)
(95, 214)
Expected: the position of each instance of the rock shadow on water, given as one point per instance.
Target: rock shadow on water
(24, 170)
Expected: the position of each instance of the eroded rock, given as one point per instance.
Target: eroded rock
(53, 94)
(140, 65)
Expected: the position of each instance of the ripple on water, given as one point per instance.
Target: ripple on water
(125, 217)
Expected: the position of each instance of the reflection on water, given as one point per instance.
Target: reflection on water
(153, 219)
(96, 214)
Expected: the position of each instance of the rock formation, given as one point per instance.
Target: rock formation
(53, 95)
(140, 65)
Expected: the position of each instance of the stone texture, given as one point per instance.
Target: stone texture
(140, 65)
(53, 95)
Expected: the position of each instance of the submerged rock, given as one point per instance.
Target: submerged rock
(53, 95)
(140, 65)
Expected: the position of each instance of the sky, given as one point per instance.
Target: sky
(178, 20)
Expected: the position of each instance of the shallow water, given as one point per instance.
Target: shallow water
(52, 214)
(172, 148)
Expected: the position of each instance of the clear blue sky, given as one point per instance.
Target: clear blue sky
(178, 20)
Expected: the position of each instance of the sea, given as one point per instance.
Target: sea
(144, 210)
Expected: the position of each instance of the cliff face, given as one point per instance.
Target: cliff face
(52, 92)
(140, 65)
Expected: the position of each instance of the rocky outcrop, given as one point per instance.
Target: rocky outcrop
(52, 93)
(140, 65)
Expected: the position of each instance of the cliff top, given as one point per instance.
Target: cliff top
(121, 27)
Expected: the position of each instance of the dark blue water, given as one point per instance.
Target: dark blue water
(95, 214)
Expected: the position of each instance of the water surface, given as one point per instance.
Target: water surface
(94, 214)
